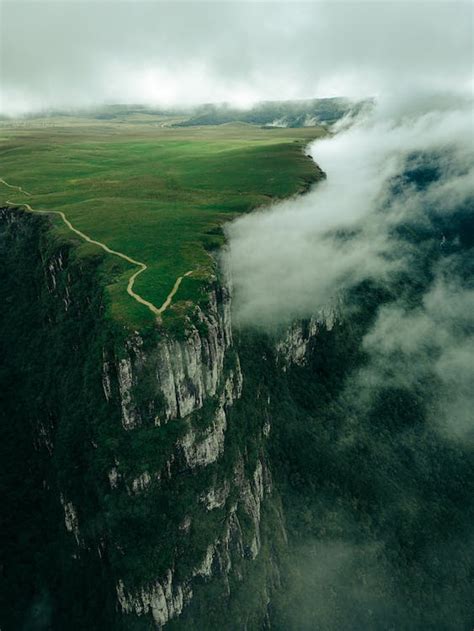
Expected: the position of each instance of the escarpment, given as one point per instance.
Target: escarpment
(150, 487)
(153, 491)
(208, 478)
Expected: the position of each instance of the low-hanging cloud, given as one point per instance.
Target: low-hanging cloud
(430, 343)
(291, 259)
(380, 461)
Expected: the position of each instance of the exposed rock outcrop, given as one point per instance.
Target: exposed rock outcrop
(185, 372)
(163, 599)
(293, 346)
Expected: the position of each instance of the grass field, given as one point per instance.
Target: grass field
(158, 194)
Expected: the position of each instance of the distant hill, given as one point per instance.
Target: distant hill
(304, 113)
(271, 114)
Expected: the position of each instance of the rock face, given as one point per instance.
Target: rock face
(188, 372)
(206, 449)
(201, 382)
(185, 372)
(70, 518)
(201, 371)
(154, 450)
(163, 600)
(293, 347)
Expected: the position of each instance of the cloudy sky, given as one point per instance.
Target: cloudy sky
(69, 53)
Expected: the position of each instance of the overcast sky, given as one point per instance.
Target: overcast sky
(69, 53)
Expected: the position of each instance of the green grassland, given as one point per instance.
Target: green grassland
(157, 193)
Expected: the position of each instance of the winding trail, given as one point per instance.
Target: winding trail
(18, 188)
(154, 309)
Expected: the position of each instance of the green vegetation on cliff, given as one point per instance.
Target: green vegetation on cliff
(51, 405)
(87, 502)
(157, 194)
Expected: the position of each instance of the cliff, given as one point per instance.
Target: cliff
(225, 479)
(152, 477)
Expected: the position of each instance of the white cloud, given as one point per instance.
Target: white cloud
(285, 261)
(57, 53)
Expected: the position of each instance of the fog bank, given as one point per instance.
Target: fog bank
(293, 258)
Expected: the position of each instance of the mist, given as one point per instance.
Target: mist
(299, 257)
(379, 455)
(291, 259)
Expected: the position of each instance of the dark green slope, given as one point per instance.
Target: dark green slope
(50, 361)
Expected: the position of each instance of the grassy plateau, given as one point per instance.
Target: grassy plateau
(156, 193)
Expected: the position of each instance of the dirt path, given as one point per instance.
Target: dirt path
(155, 310)
(17, 188)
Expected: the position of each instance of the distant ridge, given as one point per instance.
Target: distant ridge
(297, 113)
(304, 113)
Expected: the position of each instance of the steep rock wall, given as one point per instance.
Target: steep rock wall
(155, 479)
